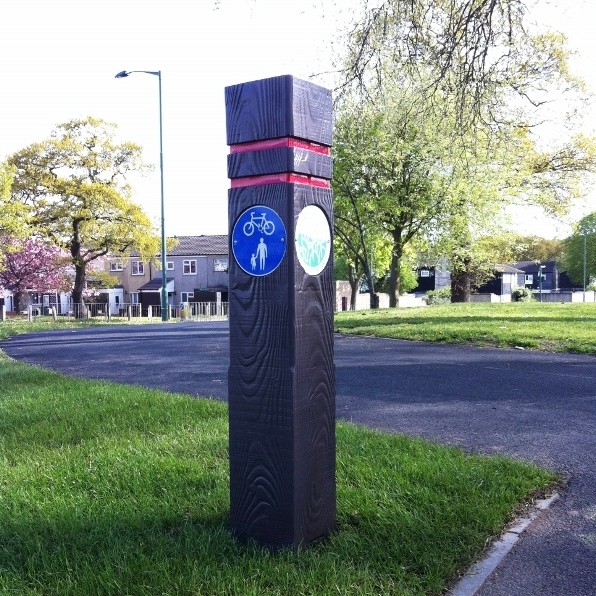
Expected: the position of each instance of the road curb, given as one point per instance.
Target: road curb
(475, 577)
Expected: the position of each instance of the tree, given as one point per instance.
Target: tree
(74, 189)
(391, 173)
(354, 230)
(477, 67)
(534, 248)
(473, 51)
(31, 265)
(348, 269)
(11, 214)
(580, 251)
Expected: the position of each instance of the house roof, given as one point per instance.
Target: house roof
(200, 245)
(193, 246)
(500, 268)
(155, 284)
(532, 266)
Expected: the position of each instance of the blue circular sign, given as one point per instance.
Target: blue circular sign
(259, 240)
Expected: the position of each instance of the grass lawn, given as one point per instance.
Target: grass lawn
(109, 489)
(555, 327)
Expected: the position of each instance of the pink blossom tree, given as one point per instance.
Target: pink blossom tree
(30, 265)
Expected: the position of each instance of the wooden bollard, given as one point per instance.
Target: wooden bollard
(281, 377)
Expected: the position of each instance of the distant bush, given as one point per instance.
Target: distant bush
(442, 296)
(522, 295)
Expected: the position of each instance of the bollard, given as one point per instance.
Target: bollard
(281, 378)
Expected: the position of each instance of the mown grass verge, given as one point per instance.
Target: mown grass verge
(111, 489)
(549, 327)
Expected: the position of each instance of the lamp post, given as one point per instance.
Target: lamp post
(585, 260)
(164, 292)
(588, 228)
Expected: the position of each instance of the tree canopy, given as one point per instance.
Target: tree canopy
(73, 189)
(455, 89)
(474, 51)
(12, 222)
(580, 251)
(31, 265)
(391, 177)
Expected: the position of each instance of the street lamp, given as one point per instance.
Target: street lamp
(585, 260)
(588, 228)
(164, 292)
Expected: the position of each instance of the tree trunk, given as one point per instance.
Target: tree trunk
(353, 281)
(77, 291)
(21, 300)
(460, 285)
(394, 281)
(374, 302)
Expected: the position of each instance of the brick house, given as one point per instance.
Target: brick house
(197, 271)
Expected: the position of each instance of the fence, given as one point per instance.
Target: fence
(566, 296)
(189, 311)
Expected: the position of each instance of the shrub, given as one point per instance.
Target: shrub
(442, 296)
(522, 295)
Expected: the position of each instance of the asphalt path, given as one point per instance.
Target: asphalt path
(533, 406)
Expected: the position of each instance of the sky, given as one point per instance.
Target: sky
(59, 58)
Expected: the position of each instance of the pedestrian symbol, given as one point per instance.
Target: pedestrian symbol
(259, 240)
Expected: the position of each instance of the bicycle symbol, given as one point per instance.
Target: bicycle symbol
(260, 223)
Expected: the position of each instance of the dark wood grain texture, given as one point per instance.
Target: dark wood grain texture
(281, 386)
(278, 107)
(275, 161)
(281, 380)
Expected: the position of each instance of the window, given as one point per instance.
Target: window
(116, 266)
(137, 268)
(134, 297)
(189, 267)
(187, 296)
(170, 266)
(220, 265)
(529, 279)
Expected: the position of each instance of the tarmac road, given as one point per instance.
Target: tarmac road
(534, 406)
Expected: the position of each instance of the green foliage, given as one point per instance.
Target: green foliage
(391, 173)
(442, 296)
(508, 247)
(522, 295)
(74, 189)
(445, 113)
(12, 213)
(580, 249)
(447, 44)
(408, 279)
(535, 248)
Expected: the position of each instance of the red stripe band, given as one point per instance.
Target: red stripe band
(280, 142)
(276, 178)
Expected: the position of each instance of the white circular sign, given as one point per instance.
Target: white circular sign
(313, 239)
